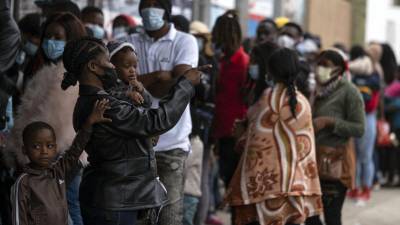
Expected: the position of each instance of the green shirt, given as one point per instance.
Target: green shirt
(346, 105)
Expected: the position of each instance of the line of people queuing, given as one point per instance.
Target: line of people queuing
(164, 110)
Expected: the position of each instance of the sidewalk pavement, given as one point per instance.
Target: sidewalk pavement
(383, 209)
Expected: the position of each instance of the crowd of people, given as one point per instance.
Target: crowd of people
(147, 123)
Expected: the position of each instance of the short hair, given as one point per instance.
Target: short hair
(91, 9)
(181, 23)
(30, 24)
(295, 26)
(268, 20)
(33, 128)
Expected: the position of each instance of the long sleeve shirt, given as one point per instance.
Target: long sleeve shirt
(39, 196)
(346, 106)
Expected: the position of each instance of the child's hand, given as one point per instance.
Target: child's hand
(136, 85)
(136, 97)
(97, 115)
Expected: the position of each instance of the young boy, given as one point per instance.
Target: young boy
(38, 196)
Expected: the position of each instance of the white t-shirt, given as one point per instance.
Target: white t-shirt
(175, 48)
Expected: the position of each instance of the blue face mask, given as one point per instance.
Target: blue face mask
(254, 72)
(30, 48)
(53, 48)
(98, 32)
(120, 32)
(20, 59)
(152, 18)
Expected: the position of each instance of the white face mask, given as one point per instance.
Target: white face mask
(254, 72)
(323, 74)
(153, 18)
(286, 41)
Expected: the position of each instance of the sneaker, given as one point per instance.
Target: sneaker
(213, 220)
(365, 194)
(353, 194)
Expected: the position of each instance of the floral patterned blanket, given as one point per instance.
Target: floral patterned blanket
(278, 163)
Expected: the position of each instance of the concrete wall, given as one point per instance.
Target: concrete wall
(331, 19)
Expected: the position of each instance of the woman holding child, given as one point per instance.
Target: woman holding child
(121, 180)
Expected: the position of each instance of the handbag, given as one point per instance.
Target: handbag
(330, 162)
(383, 134)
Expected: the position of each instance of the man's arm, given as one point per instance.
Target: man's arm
(159, 83)
(166, 80)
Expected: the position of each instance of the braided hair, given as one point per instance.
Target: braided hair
(76, 55)
(227, 32)
(284, 67)
(261, 53)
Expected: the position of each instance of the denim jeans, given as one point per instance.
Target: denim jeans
(94, 216)
(170, 166)
(365, 150)
(73, 200)
(190, 204)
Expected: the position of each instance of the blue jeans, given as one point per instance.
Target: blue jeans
(94, 216)
(190, 208)
(73, 200)
(365, 150)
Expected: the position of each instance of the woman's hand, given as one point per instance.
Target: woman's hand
(323, 122)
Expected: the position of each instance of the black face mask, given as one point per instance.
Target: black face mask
(109, 79)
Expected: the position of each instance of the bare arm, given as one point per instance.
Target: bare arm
(159, 83)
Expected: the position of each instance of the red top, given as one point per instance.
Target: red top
(373, 103)
(230, 103)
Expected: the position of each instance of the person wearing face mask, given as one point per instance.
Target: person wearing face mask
(93, 18)
(338, 116)
(43, 98)
(122, 26)
(258, 79)
(165, 55)
(122, 180)
(290, 35)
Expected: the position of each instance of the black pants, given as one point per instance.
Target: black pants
(228, 159)
(334, 194)
(93, 216)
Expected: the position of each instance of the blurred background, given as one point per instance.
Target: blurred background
(345, 21)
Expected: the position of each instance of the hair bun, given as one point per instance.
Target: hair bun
(69, 79)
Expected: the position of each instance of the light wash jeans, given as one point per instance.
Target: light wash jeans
(73, 200)
(365, 147)
(190, 204)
